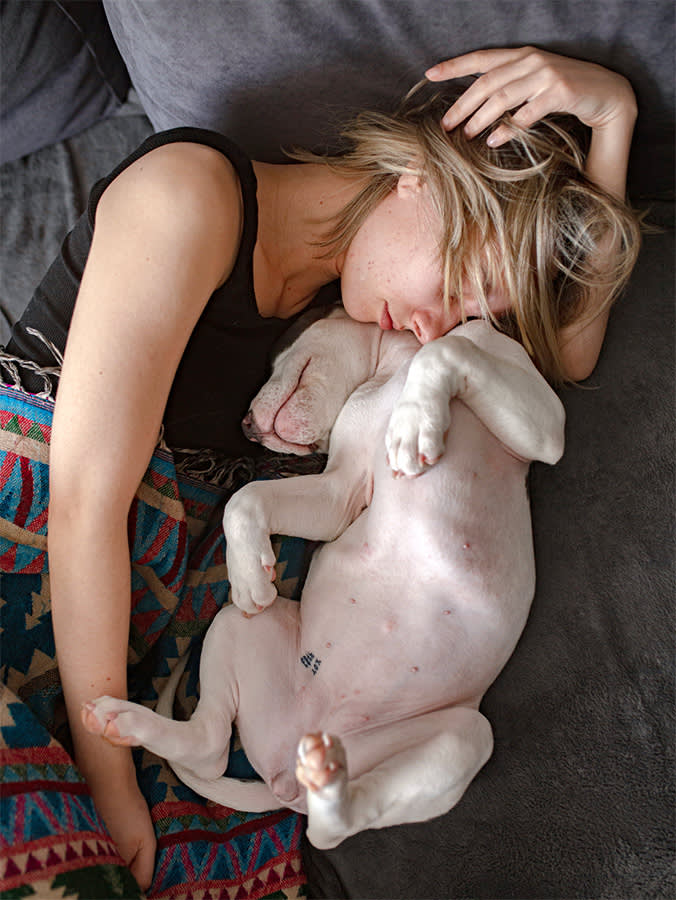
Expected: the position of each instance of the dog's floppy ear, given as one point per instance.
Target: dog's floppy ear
(311, 379)
(308, 317)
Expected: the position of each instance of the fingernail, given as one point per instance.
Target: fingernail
(433, 72)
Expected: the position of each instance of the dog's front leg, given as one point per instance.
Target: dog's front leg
(316, 507)
(249, 554)
(420, 768)
(494, 377)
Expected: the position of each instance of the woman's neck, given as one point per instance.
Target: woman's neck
(295, 204)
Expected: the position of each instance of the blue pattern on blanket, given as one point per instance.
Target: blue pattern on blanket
(179, 582)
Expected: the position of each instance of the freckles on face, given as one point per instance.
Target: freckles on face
(393, 259)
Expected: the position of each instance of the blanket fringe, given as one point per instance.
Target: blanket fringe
(11, 368)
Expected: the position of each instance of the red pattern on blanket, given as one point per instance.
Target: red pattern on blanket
(52, 840)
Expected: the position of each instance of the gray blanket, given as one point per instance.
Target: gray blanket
(43, 194)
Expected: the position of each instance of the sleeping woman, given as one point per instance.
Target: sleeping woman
(191, 259)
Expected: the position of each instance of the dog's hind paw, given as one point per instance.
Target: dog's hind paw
(115, 720)
(321, 764)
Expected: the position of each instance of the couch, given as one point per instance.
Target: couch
(578, 797)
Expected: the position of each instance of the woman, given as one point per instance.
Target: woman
(191, 249)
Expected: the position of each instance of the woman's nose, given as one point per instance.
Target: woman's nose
(427, 325)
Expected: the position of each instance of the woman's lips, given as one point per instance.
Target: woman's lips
(385, 319)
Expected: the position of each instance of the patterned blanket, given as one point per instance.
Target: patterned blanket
(52, 840)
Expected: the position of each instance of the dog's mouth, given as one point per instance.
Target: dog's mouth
(272, 440)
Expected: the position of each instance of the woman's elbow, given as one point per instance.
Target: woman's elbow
(580, 345)
(579, 368)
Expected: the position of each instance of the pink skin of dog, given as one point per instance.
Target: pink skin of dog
(360, 705)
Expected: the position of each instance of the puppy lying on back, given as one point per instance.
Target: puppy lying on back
(360, 705)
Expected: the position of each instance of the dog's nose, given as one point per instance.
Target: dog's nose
(249, 427)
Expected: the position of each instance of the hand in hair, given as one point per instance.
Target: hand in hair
(533, 83)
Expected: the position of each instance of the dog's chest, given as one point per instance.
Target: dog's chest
(408, 608)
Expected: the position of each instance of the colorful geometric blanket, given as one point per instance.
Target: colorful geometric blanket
(52, 840)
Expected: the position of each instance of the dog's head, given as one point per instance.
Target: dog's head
(311, 379)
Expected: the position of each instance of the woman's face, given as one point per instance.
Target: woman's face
(392, 271)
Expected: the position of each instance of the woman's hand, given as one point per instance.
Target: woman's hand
(127, 817)
(534, 83)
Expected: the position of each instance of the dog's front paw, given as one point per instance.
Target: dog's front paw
(251, 578)
(249, 554)
(416, 435)
(321, 765)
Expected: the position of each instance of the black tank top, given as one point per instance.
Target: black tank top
(226, 359)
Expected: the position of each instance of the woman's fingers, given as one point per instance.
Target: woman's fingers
(510, 79)
(534, 83)
(525, 116)
(503, 93)
(478, 61)
(142, 866)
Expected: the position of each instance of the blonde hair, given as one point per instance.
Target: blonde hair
(523, 215)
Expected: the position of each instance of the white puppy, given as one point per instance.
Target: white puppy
(360, 705)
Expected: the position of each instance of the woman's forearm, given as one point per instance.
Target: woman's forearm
(608, 156)
(90, 586)
(606, 165)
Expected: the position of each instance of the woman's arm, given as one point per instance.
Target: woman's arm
(166, 234)
(606, 165)
(535, 83)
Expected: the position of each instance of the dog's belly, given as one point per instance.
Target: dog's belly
(396, 623)
(415, 607)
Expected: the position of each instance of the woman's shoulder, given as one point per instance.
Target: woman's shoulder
(184, 146)
(184, 184)
(183, 198)
(187, 172)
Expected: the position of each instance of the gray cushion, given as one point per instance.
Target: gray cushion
(44, 193)
(272, 73)
(60, 72)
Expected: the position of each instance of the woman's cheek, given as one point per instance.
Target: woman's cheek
(354, 299)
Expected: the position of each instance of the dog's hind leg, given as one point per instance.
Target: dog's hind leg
(202, 743)
(411, 771)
